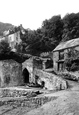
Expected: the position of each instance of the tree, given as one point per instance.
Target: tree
(4, 47)
(72, 60)
(71, 26)
(53, 30)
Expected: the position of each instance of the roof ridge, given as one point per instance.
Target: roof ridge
(67, 44)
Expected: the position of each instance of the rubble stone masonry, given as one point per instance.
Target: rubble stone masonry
(10, 73)
(51, 81)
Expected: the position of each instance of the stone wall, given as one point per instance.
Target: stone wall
(56, 56)
(38, 63)
(10, 73)
(55, 59)
(51, 81)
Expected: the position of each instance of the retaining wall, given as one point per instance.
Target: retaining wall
(51, 81)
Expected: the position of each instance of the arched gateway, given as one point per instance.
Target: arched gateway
(25, 75)
(28, 71)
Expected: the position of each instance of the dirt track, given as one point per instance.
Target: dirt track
(66, 103)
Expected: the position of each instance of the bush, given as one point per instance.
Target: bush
(68, 64)
(72, 61)
(4, 47)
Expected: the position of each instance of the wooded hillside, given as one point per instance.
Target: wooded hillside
(4, 27)
(51, 33)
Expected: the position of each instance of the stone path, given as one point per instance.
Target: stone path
(64, 102)
(67, 103)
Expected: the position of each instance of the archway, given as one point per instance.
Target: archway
(26, 75)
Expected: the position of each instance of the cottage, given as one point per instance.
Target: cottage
(60, 53)
(13, 37)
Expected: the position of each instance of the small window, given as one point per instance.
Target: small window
(61, 55)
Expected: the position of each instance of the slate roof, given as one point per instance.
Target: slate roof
(67, 44)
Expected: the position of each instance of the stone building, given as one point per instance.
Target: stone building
(27, 71)
(13, 37)
(10, 73)
(30, 65)
(60, 53)
(28, 68)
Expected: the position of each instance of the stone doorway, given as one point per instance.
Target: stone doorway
(61, 66)
(26, 75)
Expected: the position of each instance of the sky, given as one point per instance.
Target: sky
(31, 13)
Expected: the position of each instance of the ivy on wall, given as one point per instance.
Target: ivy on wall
(72, 60)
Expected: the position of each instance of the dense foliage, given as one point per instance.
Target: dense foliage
(51, 33)
(71, 26)
(7, 53)
(4, 47)
(72, 61)
(4, 27)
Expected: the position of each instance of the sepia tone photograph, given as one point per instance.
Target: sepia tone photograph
(39, 57)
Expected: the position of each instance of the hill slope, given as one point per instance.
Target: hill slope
(5, 26)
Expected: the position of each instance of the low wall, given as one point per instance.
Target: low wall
(52, 82)
(13, 99)
(29, 103)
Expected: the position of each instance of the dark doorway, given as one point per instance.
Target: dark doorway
(26, 75)
(42, 84)
(60, 66)
(36, 79)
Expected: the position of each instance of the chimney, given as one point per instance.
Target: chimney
(22, 29)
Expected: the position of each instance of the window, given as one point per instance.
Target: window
(61, 55)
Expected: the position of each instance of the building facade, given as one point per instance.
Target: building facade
(61, 51)
(13, 37)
